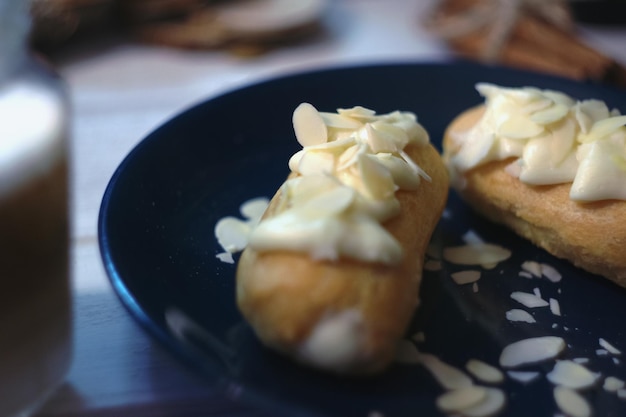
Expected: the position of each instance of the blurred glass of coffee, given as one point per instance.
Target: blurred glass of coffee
(35, 312)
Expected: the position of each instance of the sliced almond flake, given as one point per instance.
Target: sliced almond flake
(571, 375)
(603, 128)
(484, 372)
(358, 112)
(254, 208)
(519, 127)
(537, 292)
(332, 201)
(602, 352)
(571, 403)
(379, 141)
(613, 384)
(609, 347)
(475, 287)
(528, 300)
(531, 350)
(581, 361)
(315, 162)
(555, 307)
(432, 265)
(616, 361)
(226, 257)
(448, 376)
(377, 180)
(550, 273)
(232, 234)
(339, 121)
(621, 393)
(584, 121)
(525, 274)
(537, 104)
(476, 254)
(309, 125)
(472, 238)
(532, 267)
(550, 115)
(460, 399)
(520, 315)
(465, 277)
(491, 405)
(524, 377)
(407, 353)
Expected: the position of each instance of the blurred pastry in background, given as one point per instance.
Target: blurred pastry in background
(55, 22)
(244, 26)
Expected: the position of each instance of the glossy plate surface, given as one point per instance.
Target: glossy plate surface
(158, 246)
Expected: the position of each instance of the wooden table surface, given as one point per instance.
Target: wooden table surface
(123, 90)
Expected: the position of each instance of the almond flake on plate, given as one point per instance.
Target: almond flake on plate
(448, 376)
(523, 376)
(484, 372)
(555, 307)
(613, 384)
(550, 273)
(492, 404)
(531, 350)
(459, 399)
(472, 238)
(517, 314)
(528, 300)
(571, 375)
(532, 267)
(465, 277)
(609, 347)
(432, 265)
(571, 403)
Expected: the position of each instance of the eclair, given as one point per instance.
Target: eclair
(331, 274)
(549, 167)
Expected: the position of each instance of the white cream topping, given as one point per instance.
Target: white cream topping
(554, 138)
(31, 133)
(351, 164)
(336, 340)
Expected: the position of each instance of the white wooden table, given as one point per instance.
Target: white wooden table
(123, 90)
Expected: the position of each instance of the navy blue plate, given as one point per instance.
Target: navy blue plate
(158, 246)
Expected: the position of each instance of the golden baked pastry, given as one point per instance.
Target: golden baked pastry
(559, 183)
(339, 292)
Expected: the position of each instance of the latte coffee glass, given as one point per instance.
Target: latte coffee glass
(35, 312)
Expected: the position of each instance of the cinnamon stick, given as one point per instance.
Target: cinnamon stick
(533, 44)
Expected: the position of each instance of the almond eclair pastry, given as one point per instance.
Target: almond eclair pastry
(551, 168)
(331, 274)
